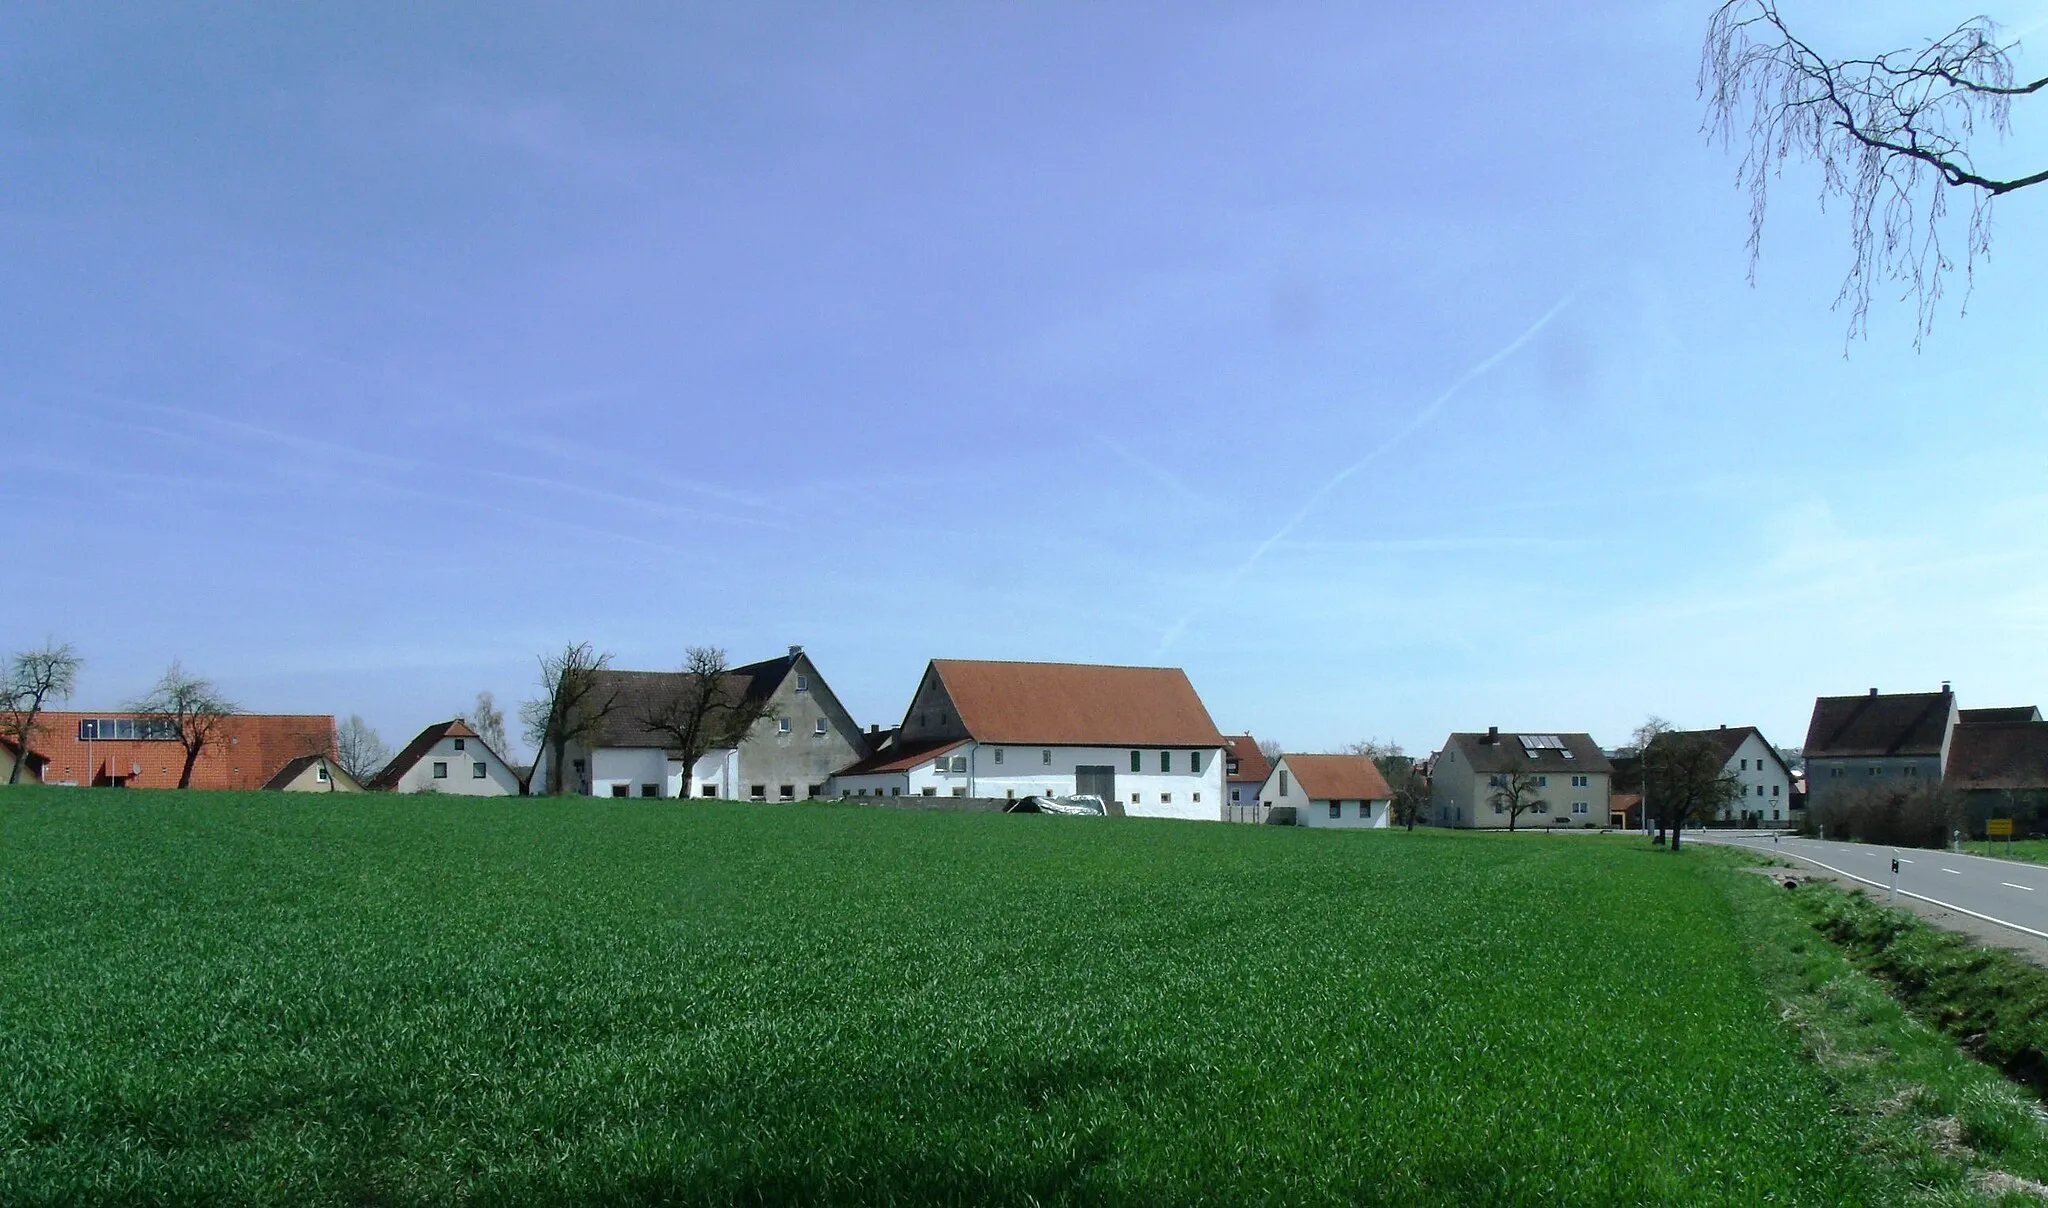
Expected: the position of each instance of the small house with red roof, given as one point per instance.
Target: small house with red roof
(448, 757)
(1326, 790)
(1245, 768)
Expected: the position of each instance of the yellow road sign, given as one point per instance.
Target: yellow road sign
(2000, 828)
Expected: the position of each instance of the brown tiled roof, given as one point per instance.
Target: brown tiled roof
(1338, 777)
(1981, 717)
(416, 750)
(640, 693)
(1508, 755)
(1902, 723)
(1252, 763)
(1077, 704)
(244, 752)
(1730, 740)
(2012, 755)
(900, 758)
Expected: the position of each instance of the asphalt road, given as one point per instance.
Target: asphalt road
(2005, 892)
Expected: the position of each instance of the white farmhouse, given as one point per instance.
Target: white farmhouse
(1326, 790)
(1136, 736)
(1766, 782)
(447, 757)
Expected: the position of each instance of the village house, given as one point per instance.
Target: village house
(448, 757)
(1766, 779)
(135, 750)
(1569, 776)
(1326, 790)
(313, 774)
(1137, 736)
(801, 736)
(1856, 742)
(2000, 766)
(1245, 768)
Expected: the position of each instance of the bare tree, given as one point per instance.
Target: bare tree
(708, 711)
(1514, 794)
(489, 722)
(572, 705)
(1271, 749)
(1411, 796)
(1688, 777)
(34, 678)
(191, 708)
(1892, 135)
(358, 749)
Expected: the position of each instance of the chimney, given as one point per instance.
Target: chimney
(874, 727)
(1944, 688)
(795, 650)
(1873, 692)
(1724, 725)
(1493, 734)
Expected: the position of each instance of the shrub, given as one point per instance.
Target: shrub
(1920, 815)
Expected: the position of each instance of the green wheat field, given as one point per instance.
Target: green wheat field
(256, 998)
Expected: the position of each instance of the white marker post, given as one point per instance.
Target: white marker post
(1895, 879)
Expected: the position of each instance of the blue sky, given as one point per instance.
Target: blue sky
(357, 358)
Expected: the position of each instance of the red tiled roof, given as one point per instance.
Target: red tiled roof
(1252, 764)
(2011, 755)
(249, 748)
(900, 759)
(1338, 777)
(1077, 704)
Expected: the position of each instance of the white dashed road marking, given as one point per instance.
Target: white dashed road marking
(2010, 885)
(1957, 872)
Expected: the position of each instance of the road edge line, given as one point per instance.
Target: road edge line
(1902, 893)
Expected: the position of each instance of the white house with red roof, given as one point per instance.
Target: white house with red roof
(447, 757)
(1327, 790)
(1245, 768)
(1137, 736)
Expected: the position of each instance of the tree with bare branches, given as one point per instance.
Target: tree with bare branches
(707, 711)
(488, 720)
(1685, 780)
(34, 678)
(358, 749)
(1892, 135)
(191, 709)
(1515, 794)
(571, 708)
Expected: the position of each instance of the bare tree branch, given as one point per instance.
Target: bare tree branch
(191, 708)
(707, 711)
(34, 677)
(1891, 134)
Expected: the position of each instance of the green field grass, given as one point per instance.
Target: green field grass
(363, 1000)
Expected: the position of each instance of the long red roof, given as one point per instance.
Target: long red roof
(1077, 704)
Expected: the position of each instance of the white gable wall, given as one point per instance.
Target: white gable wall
(461, 779)
(1766, 789)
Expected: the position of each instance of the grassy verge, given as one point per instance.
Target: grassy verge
(1953, 1125)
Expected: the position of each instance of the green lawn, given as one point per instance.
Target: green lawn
(362, 1000)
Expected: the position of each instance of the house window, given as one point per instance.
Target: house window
(1579, 782)
(1198, 799)
(1195, 762)
(620, 788)
(1134, 799)
(898, 792)
(1774, 815)
(477, 770)
(931, 792)
(1009, 794)
(578, 765)
(1283, 784)
(1498, 808)
(1775, 788)
(320, 772)
(1543, 782)
(1045, 757)
(1231, 767)
(1237, 794)
(1137, 761)
(1166, 761)
(1498, 782)
(814, 791)
(1909, 770)
(818, 728)
(646, 790)
(786, 792)
(440, 770)
(999, 755)
(1745, 765)
(1336, 809)
(758, 792)
(960, 763)
(960, 792)
(782, 725)
(710, 790)
(1166, 798)
(1834, 773)
(1759, 790)
(803, 683)
(458, 744)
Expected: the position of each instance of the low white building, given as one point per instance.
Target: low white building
(1328, 790)
(313, 774)
(1766, 780)
(1137, 736)
(448, 757)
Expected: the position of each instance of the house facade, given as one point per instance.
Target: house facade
(2001, 769)
(1877, 740)
(802, 736)
(1572, 779)
(1328, 790)
(448, 757)
(1137, 736)
(313, 774)
(114, 749)
(1766, 779)
(1245, 769)
(32, 764)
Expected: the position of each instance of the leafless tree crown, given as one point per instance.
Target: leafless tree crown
(707, 711)
(572, 705)
(1892, 135)
(33, 678)
(194, 709)
(358, 749)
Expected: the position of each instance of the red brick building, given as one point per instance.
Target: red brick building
(114, 749)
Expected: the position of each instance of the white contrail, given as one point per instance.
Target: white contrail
(1421, 417)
